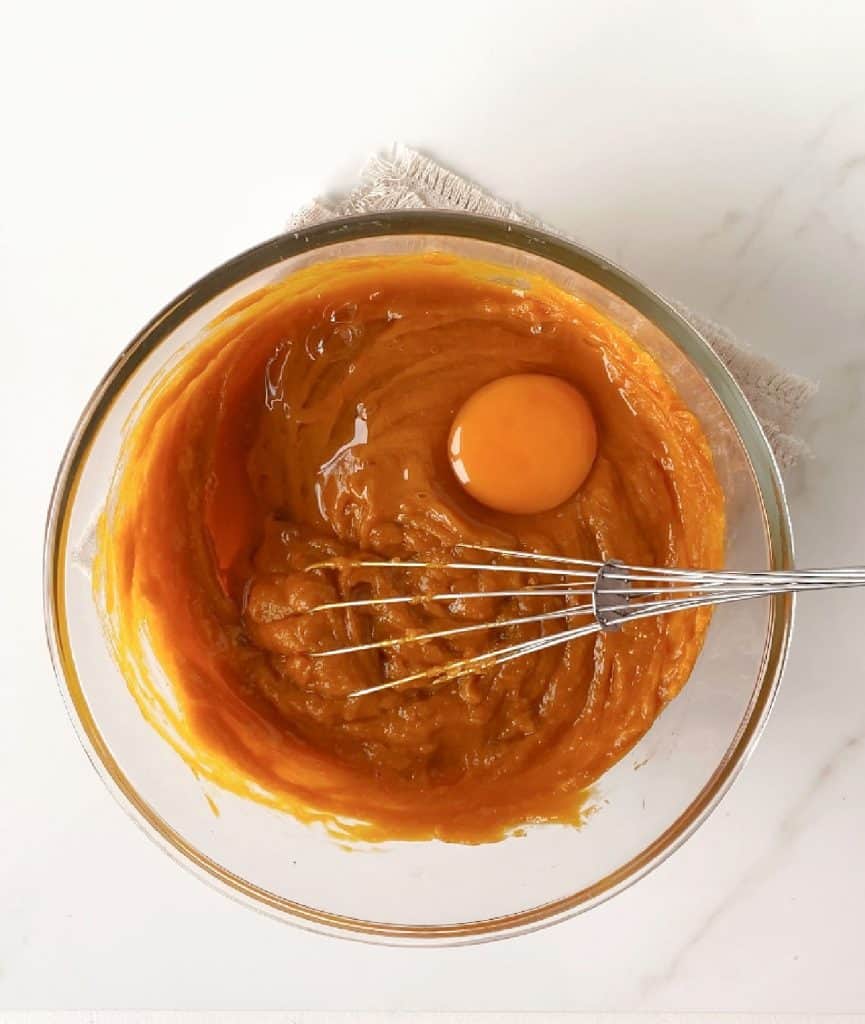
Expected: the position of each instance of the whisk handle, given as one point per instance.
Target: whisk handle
(623, 593)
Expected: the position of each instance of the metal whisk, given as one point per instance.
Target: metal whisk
(612, 594)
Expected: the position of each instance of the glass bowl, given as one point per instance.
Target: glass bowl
(432, 892)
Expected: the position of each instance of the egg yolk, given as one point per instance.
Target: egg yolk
(524, 443)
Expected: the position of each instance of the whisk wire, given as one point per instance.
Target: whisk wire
(439, 634)
(619, 594)
(469, 666)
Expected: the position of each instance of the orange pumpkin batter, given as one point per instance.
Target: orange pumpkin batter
(313, 421)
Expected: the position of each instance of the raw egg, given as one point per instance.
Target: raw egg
(523, 443)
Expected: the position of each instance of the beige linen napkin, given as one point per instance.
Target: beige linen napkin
(407, 180)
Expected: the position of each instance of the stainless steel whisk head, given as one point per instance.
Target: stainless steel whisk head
(607, 594)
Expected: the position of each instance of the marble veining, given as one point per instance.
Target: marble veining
(803, 814)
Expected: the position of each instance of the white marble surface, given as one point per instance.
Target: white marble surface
(718, 151)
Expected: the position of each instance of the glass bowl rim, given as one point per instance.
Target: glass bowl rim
(475, 228)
